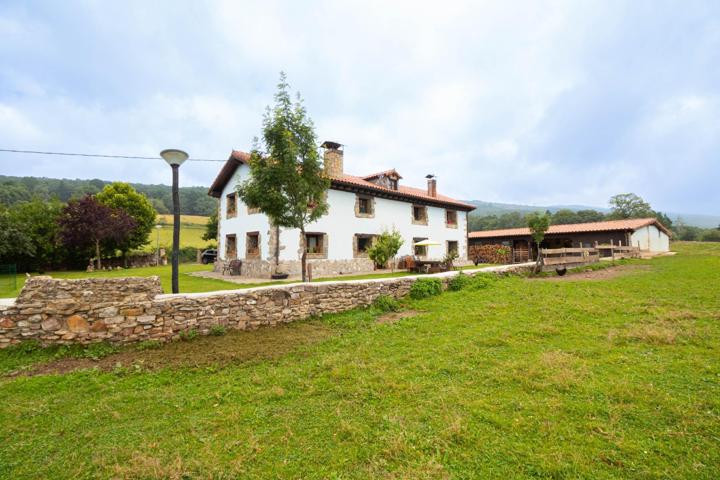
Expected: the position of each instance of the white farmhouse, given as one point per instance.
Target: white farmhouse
(360, 207)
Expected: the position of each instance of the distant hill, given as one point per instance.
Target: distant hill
(193, 200)
(495, 208)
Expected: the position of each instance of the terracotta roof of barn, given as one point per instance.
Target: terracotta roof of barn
(346, 182)
(606, 226)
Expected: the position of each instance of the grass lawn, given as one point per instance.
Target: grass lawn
(190, 236)
(167, 219)
(189, 283)
(548, 378)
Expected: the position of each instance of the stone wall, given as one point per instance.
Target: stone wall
(259, 268)
(124, 310)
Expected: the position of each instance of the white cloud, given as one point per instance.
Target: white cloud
(519, 102)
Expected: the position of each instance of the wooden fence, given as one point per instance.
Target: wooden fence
(618, 251)
(565, 256)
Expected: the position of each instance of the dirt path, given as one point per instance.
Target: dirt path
(604, 274)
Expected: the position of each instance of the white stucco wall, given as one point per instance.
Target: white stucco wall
(341, 224)
(651, 238)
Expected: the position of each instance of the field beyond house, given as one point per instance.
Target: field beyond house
(608, 376)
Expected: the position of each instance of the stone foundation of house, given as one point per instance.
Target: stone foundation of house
(132, 309)
(259, 268)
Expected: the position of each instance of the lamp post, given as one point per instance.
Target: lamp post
(175, 158)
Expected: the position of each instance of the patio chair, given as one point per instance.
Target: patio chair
(234, 267)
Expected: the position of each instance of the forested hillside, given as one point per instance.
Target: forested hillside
(193, 200)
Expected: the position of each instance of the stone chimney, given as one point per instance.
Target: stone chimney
(333, 159)
(432, 185)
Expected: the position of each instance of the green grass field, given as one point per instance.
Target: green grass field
(188, 283)
(614, 377)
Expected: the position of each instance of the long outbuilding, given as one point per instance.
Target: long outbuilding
(646, 233)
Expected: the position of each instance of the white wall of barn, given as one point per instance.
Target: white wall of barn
(340, 225)
(651, 238)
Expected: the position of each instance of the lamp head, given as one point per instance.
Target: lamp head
(174, 157)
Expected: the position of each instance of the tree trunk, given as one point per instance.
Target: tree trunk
(303, 257)
(277, 249)
(97, 254)
(538, 261)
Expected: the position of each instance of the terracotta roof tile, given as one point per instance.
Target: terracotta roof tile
(237, 158)
(408, 192)
(609, 225)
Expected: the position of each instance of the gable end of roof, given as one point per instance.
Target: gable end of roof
(235, 159)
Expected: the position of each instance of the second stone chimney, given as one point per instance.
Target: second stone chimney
(432, 185)
(333, 159)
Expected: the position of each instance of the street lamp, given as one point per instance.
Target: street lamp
(175, 158)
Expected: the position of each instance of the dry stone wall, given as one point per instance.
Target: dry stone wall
(125, 310)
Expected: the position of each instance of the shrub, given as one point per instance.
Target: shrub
(386, 303)
(217, 330)
(425, 287)
(384, 247)
(459, 281)
(188, 335)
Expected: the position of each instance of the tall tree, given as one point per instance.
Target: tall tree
(286, 175)
(211, 228)
(15, 242)
(538, 224)
(629, 205)
(122, 196)
(86, 224)
(37, 219)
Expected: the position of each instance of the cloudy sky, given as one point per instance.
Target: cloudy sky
(525, 102)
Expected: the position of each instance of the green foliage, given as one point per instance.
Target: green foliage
(286, 179)
(711, 235)
(459, 282)
(579, 379)
(386, 303)
(187, 335)
(495, 221)
(538, 224)
(567, 216)
(218, 330)
(681, 231)
(148, 345)
(211, 228)
(15, 242)
(425, 287)
(629, 205)
(28, 235)
(13, 190)
(385, 247)
(122, 196)
(97, 351)
(480, 281)
(449, 259)
(88, 226)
